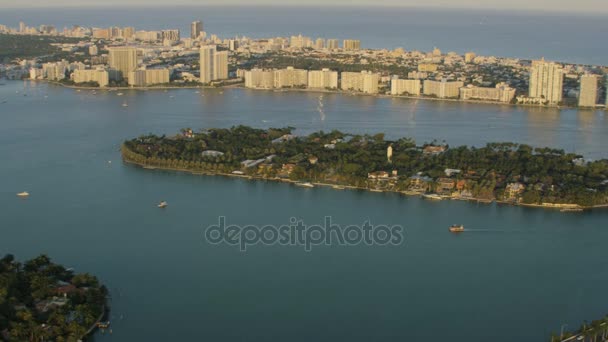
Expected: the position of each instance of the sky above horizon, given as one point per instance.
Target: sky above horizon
(579, 6)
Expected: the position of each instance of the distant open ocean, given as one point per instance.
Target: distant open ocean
(570, 38)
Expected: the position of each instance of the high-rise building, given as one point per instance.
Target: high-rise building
(93, 50)
(220, 65)
(258, 78)
(365, 81)
(214, 65)
(123, 59)
(128, 32)
(290, 77)
(100, 76)
(501, 93)
(320, 44)
(233, 44)
(22, 27)
(442, 89)
(469, 57)
(101, 33)
(409, 87)
(195, 29)
(589, 91)
(170, 35)
(146, 77)
(546, 82)
(351, 44)
(323, 79)
(332, 44)
(300, 42)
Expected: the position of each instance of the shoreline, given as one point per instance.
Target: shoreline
(323, 91)
(548, 206)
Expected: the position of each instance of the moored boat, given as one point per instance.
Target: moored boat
(23, 194)
(305, 185)
(434, 197)
(163, 204)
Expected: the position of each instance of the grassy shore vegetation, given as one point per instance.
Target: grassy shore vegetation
(503, 171)
(43, 301)
(596, 331)
(24, 46)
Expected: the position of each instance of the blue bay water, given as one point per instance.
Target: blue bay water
(573, 38)
(528, 273)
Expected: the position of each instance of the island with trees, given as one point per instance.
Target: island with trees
(503, 172)
(44, 301)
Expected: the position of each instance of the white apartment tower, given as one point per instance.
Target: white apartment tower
(546, 82)
(214, 65)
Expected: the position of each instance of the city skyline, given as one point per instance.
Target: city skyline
(582, 6)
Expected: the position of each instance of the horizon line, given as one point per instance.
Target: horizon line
(369, 6)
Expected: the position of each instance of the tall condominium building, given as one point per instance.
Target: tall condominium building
(100, 76)
(332, 44)
(195, 29)
(290, 77)
(320, 44)
(220, 65)
(436, 52)
(442, 89)
(258, 78)
(128, 32)
(233, 44)
(300, 42)
(351, 44)
(409, 87)
(101, 33)
(93, 50)
(170, 35)
(323, 79)
(589, 91)
(142, 78)
(214, 65)
(22, 27)
(147, 36)
(546, 82)
(501, 93)
(365, 81)
(469, 57)
(123, 59)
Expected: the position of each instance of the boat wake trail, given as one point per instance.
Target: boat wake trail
(492, 230)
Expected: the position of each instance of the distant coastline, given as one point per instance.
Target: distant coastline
(318, 91)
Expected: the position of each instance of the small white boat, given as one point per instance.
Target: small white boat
(120, 94)
(305, 185)
(338, 187)
(125, 105)
(23, 194)
(163, 204)
(434, 197)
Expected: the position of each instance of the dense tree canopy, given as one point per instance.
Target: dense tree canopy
(43, 301)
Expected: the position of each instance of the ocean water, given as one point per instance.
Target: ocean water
(572, 38)
(518, 275)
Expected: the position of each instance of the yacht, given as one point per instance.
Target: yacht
(455, 228)
(23, 194)
(305, 185)
(432, 197)
(163, 204)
